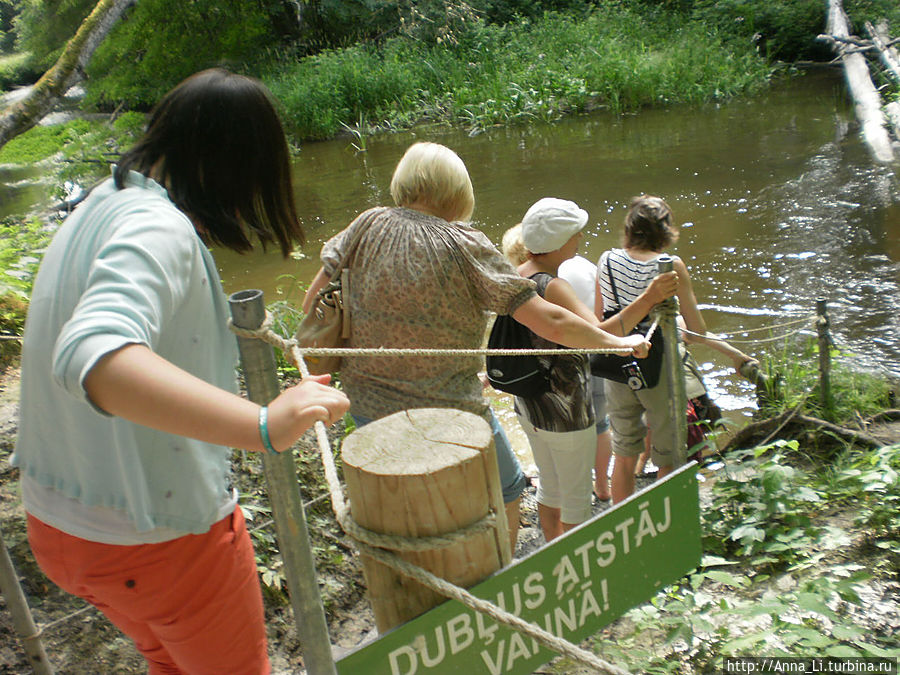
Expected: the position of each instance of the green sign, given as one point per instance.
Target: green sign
(570, 588)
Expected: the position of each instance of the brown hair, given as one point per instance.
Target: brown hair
(217, 145)
(649, 225)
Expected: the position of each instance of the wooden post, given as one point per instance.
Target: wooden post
(677, 393)
(248, 311)
(21, 615)
(418, 473)
(822, 326)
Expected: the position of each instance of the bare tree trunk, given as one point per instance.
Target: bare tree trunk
(865, 96)
(67, 71)
(891, 60)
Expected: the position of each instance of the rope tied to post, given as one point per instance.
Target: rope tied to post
(382, 547)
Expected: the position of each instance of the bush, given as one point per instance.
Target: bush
(493, 74)
(157, 44)
(16, 70)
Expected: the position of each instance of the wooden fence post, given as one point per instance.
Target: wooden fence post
(21, 615)
(677, 395)
(419, 473)
(822, 327)
(248, 311)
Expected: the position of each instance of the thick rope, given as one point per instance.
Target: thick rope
(388, 557)
(266, 334)
(722, 337)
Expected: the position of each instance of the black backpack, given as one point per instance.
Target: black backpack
(519, 375)
(524, 375)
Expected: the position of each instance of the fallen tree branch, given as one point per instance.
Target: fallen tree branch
(772, 426)
(859, 81)
(891, 415)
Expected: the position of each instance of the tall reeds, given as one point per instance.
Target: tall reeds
(614, 58)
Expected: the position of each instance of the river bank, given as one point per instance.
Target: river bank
(713, 609)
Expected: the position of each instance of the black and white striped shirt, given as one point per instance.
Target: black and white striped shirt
(631, 277)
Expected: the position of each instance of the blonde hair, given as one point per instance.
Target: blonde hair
(435, 176)
(513, 247)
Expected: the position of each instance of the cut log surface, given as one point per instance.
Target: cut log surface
(421, 473)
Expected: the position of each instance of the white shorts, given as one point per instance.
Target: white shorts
(564, 460)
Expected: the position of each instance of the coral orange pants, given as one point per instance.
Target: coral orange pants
(191, 605)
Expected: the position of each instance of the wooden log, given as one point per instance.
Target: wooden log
(865, 96)
(881, 41)
(891, 59)
(21, 614)
(419, 473)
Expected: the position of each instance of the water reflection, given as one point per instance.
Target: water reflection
(778, 201)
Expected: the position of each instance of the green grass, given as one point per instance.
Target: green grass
(614, 59)
(15, 69)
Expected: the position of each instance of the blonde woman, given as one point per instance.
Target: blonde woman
(424, 277)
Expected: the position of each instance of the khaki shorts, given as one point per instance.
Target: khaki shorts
(632, 412)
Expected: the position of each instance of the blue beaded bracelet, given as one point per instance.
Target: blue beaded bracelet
(264, 430)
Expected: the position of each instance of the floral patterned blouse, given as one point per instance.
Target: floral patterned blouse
(418, 281)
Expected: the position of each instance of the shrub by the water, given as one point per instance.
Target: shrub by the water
(613, 58)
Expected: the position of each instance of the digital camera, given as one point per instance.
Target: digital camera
(633, 376)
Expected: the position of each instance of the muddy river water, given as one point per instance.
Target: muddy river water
(778, 202)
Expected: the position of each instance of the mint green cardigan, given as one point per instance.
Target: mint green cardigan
(125, 268)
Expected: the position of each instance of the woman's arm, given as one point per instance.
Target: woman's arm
(663, 286)
(563, 327)
(137, 384)
(316, 285)
(687, 301)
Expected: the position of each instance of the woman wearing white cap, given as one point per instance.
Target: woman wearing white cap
(560, 423)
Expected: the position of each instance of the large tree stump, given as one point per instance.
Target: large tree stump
(420, 473)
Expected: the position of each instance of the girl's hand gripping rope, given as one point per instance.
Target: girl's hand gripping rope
(296, 409)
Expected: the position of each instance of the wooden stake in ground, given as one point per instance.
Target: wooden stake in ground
(22, 621)
(421, 473)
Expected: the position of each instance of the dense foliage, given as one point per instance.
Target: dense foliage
(617, 59)
(160, 42)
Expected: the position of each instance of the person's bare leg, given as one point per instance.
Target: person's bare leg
(623, 478)
(601, 466)
(642, 460)
(512, 519)
(550, 522)
(664, 471)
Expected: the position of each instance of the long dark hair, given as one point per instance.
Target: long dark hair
(649, 225)
(217, 145)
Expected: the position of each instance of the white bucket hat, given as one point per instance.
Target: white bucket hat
(550, 223)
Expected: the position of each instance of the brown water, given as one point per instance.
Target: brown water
(777, 200)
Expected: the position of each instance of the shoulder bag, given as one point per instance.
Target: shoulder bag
(636, 373)
(328, 322)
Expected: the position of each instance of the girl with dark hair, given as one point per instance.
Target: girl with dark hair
(129, 404)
